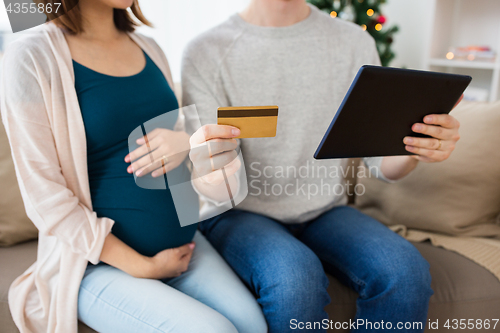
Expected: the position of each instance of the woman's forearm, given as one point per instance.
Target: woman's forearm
(118, 254)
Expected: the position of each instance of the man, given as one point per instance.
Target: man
(294, 224)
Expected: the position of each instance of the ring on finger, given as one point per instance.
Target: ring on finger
(440, 144)
(164, 162)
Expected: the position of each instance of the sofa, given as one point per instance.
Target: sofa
(465, 286)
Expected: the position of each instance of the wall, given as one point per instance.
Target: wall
(414, 20)
(4, 20)
(178, 21)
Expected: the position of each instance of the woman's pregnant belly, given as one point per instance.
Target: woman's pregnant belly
(145, 219)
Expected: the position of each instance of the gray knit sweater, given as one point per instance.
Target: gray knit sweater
(305, 69)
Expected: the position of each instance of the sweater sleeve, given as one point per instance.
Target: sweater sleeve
(200, 90)
(26, 95)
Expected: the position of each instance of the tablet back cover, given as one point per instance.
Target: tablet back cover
(382, 105)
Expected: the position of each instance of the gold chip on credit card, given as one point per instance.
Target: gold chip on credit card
(253, 121)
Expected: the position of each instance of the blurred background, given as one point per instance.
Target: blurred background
(457, 36)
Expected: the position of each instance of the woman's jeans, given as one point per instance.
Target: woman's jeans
(207, 298)
(284, 265)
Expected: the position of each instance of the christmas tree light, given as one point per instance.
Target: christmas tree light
(368, 15)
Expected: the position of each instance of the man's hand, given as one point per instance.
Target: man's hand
(443, 129)
(161, 151)
(443, 132)
(213, 147)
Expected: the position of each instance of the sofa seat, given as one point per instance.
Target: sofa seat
(462, 289)
(13, 262)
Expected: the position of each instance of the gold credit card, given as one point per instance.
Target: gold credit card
(253, 121)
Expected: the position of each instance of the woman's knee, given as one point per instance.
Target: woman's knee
(242, 309)
(217, 324)
(251, 322)
(201, 319)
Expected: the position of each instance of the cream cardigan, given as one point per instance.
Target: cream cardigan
(43, 121)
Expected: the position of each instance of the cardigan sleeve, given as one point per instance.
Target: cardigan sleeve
(25, 96)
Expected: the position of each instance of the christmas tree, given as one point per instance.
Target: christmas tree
(368, 15)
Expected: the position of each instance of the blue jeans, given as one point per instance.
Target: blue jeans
(284, 265)
(208, 297)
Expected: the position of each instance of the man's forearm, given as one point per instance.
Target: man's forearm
(217, 192)
(397, 167)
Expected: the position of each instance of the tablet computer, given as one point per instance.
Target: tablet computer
(381, 106)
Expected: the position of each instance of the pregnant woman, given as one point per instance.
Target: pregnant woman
(110, 253)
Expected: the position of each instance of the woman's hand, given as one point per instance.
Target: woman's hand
(161, 151)
(168, 263)
(213, 147)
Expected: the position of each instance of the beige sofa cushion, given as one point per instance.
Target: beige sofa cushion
(460, 196)
(15, 226)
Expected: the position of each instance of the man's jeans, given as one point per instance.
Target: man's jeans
(284, 266)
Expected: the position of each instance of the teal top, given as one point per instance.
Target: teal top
(112, 107)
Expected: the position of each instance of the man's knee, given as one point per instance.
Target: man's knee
(405, 275)
(412, 269)
(298, 275)
(416, 279)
